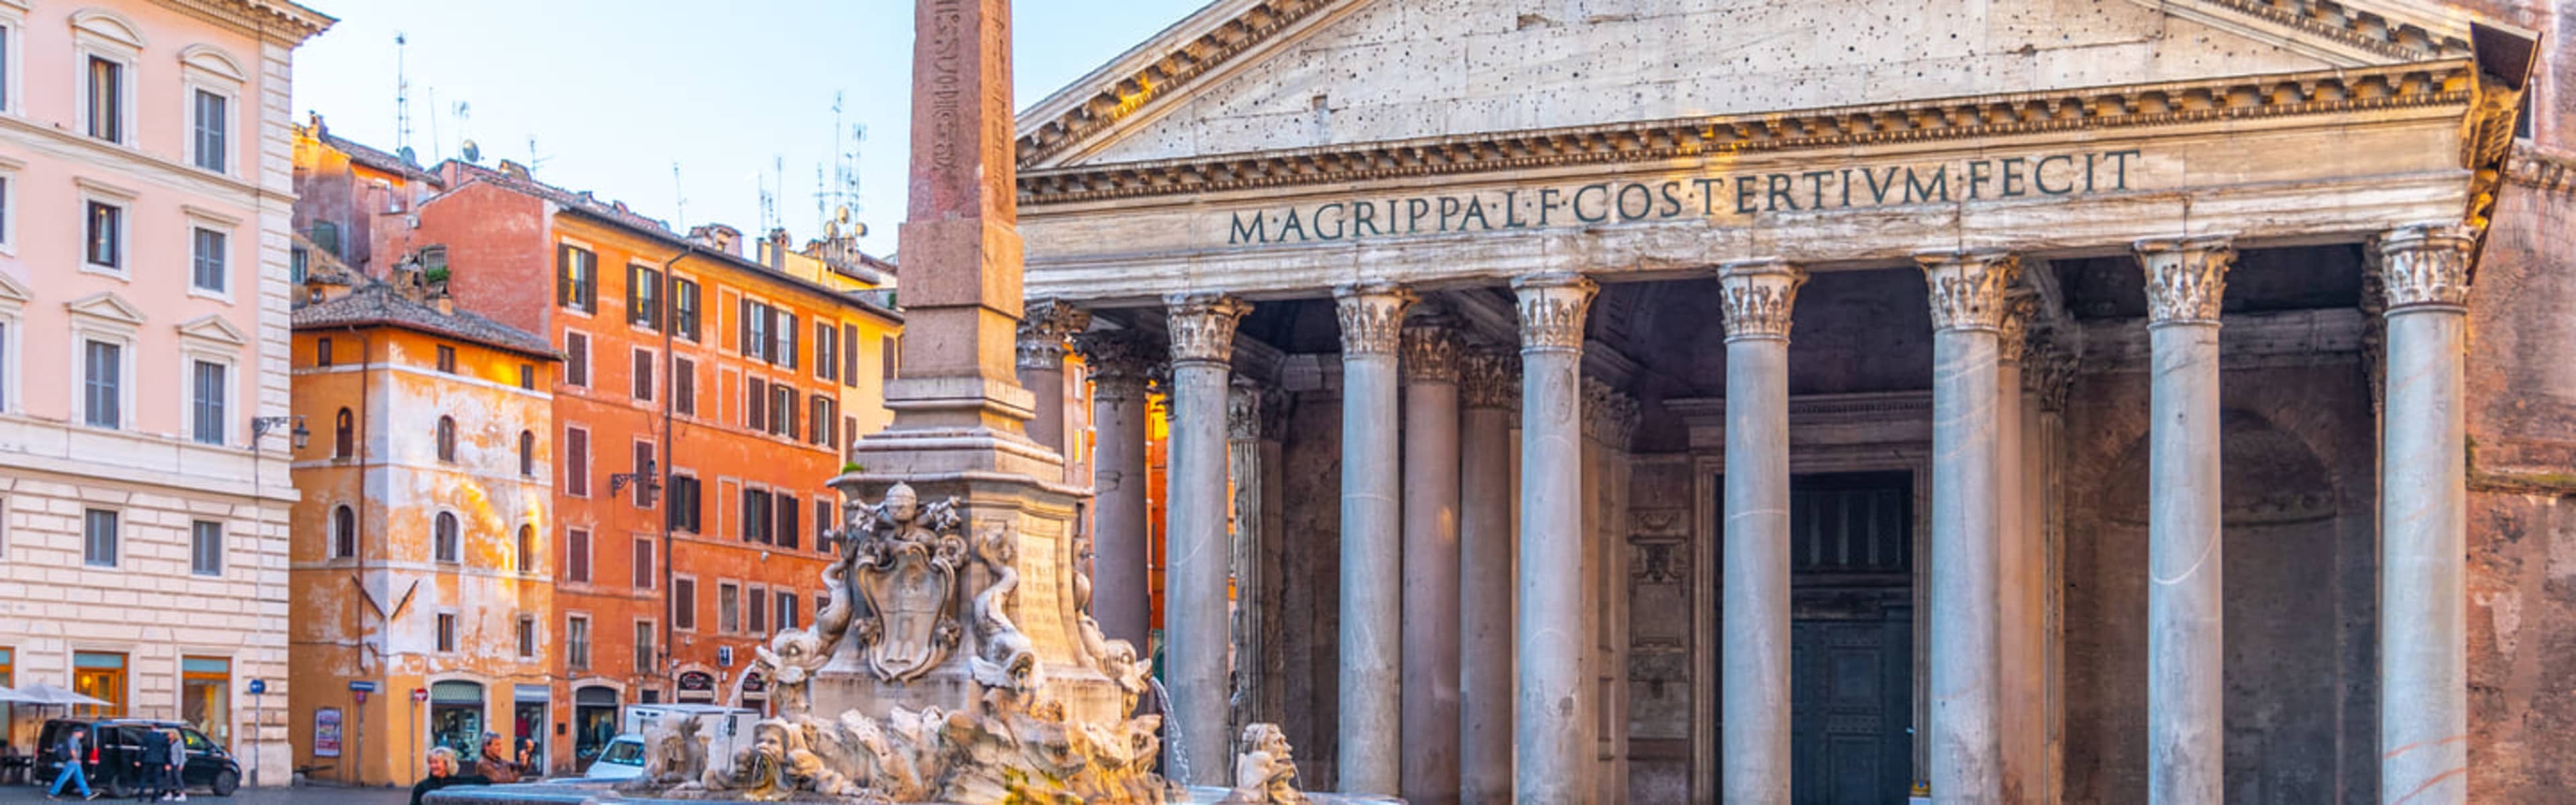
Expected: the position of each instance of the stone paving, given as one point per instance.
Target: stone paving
(305, 795)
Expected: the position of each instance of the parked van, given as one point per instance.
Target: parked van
(115, 762)
(726, 731)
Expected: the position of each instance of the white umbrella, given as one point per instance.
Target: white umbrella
(46, 694)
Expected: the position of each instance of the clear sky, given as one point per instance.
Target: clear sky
(613, 92)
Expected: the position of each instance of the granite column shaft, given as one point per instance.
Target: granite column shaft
(1553, 731)
(1121, 569)
(1757, 297)
(1967, 293)
(2186, 651)
(2423, 519)
(1197, 544)
(1488, 382)
(1430, 730)
(1372, 600)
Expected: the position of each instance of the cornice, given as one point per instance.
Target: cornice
(2436, 83)
(2358, 28)
(1114, 101)
(2541, 170)
(288, 21)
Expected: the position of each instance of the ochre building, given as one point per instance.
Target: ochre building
(1723, 401)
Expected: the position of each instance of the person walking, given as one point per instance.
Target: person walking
(72, 747)
(176, 780)
(155, 779)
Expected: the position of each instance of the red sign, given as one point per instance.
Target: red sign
(360, 695)
(419, 695)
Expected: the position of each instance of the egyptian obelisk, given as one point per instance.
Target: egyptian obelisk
(960, 414)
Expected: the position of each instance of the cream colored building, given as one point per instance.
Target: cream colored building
(143, 359)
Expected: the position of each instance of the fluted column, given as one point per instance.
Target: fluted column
(1551, 723)
(1044, 326)
(1196, 547)
(1372, 318)
(1967, 292)
(2423, 518)
(2021, 673)
(2186, 657)
(1243, 420)
(1121, 362)
(1430, 370)
(1757, 298)
(1488, 382)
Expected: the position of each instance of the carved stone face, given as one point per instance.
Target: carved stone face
(901, 504)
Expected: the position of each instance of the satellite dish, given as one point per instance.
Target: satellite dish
(408, 157)
(472, 152)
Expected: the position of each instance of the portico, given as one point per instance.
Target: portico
(2001, 440)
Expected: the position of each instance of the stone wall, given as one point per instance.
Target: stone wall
(1310, 622)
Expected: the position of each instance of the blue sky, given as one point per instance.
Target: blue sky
(615, 91)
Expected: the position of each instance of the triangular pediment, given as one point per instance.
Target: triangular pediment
(1246, 76)
(214, 329)
(106, 305)
(13, 291)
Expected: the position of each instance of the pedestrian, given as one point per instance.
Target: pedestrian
(155, 776)
(73, 739)
(442, 773)
(495, 764)
(174, 778)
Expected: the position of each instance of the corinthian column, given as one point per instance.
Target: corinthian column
(1120, 362)
(2186, 657)
(1195, 546)
(1757, 298)
(2021, 673)
(1551, 718)
(1243, 418)
(1488, 381)
(1372, 316)
(2423, 518)
(1967, 290)
(1430, 563)
(1043, 330)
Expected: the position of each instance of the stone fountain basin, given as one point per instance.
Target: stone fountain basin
(603, 792)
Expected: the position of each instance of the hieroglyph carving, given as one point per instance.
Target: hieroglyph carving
(2186, 278)
(1489, 377)
(1043, 330)
(1430, 352)
(1757, 296)
(2426, 264)
(904, 563)
(1372, 317)
(1552, 308)
(1202, 326)
(1968, 287)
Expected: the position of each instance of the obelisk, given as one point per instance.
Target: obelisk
(961, 417)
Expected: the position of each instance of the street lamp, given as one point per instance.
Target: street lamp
(645, 479)
(260, 426)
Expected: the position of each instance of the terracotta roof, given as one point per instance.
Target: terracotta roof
(469, 172)
(371, 157)
(376, 302)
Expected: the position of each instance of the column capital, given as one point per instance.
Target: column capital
(1757, 296)
(1115, 356)
(1609, 415)
(1202, 326)
(2013, 330)
(2186, 277)
(1243, 417)
(1044, 326)
(1372, 316)
(2426, 265)
(1968, 287)
(1430, 346)
(1489, 377)
(2048, 370)
(1552, 307)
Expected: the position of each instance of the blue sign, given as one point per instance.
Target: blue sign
(258, 686)
(362, 686)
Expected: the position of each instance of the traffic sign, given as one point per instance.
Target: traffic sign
(363, 686)
(258, 686)
(419, 695)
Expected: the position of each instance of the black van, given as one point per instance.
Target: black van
(115, 762)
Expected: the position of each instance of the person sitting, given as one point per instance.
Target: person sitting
(495, 764)
(442, 773)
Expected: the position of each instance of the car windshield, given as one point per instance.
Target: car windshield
(197, 741)
(624, 753)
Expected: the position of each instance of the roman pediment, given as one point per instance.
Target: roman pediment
(106, 306)
(213, 329)
(1244, 76)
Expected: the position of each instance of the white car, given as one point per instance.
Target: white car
(622, 759)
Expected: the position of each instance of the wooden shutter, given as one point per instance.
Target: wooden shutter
(563, 276)
(788, 514)
(743, 338)
(850, 355)
(752, 416)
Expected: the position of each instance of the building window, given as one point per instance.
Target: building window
(99, 537)
(210, 390)
(527, 548)
(755, 516)
(684, 503)
(104, 384)
(206, 548)
(643, 564)
(755, 411)
(576, 359)
(576, 279)
(527, 637)
(106, 97)
(644, 297)
(644, 655)
(446, 632)
(344, 435)
(827, 350)
(728, 607)
(344, 532)
(99, 675)
(447, 439)
(782, 410)
(755, 330)
(322, 352)
(528, 453)
(576, 461)
(447, 540)
(447, 359)
(788, 515)
(684, 604)
(756, 617)
(528, 376)
(891, 355)
(786, 609)
(850, 355)
(577, 641)
(8, 70)
(684, 309)
(823, 525)
(206, 697)
(643, 376)
(643, 469)
(577, 555)
(784, 354)
(296, 262)
(825, 421)
(207, 268)
(212, 116)
(684, 386)
(106, 236)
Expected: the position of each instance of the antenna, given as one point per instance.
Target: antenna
(402, 96)
(679, 201)
(768, 199)
(534, 159)
(437, 147)
(464, 131)
(843, 191)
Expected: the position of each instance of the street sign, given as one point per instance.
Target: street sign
(363, 686)
(258, 686)
(419, 695)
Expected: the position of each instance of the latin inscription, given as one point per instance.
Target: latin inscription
(1747, 194)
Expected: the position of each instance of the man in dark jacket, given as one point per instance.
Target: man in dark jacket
(495, 764)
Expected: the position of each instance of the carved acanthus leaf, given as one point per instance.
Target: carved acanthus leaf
(2186, 279)
(1552, 308)
(1202, 326)
(1243, 410)
(1968, 287)
(1430, 352)
(1609, 415)
(1372, 317)
(1489, 377)
(1044, 326)
(1757, 297)
(2426, 264)
(1119, 360)
(2013, 332)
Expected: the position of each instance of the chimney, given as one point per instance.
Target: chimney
(446, 304)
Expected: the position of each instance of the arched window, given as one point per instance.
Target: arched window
(344, 532)
(527, 549)
(528, 453)
(344, 435)
(446, 545)
(447, 439)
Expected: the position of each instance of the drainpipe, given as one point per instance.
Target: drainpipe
(670, 362)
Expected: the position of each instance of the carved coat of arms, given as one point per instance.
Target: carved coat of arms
(904, 560)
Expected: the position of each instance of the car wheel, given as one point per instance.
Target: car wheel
(226, 782)
(115, 789)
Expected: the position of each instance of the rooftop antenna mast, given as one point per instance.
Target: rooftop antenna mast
(837, 200)
(769, 197)
(402, 99)
(437, 147)
(679, 201)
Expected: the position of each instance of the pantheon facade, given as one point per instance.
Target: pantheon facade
(2017, 401)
